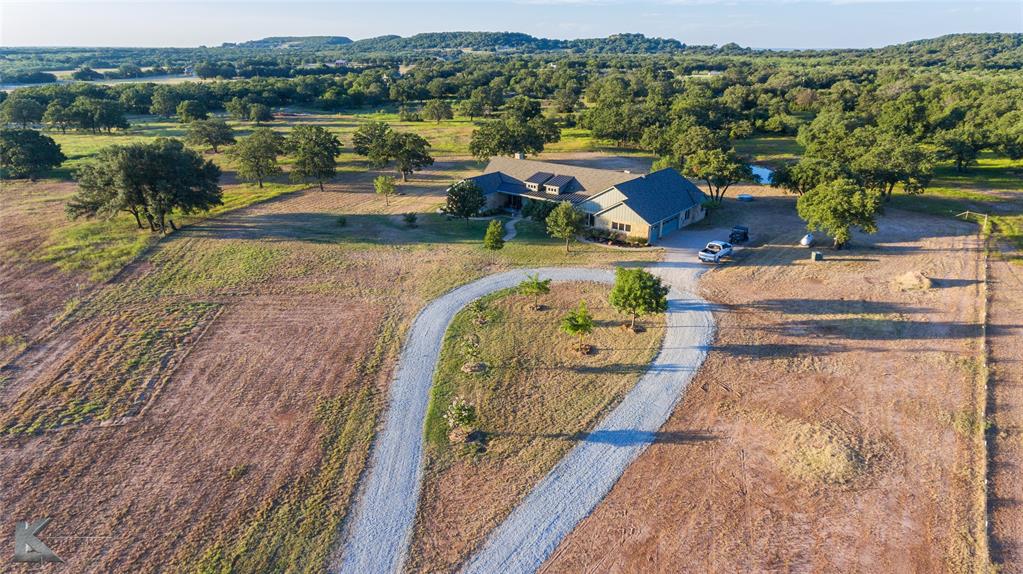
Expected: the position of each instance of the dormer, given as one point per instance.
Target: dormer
(559, 184)
(537, 179)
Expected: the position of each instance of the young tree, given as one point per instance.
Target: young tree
(21, 110)
(838, 206)
(465, 199)
(257, 155)
(564, 222)
(315, 151)
(493, 239)
(578, 323)
(719, 169)
(471, 108)
(27, 153)
(437, 110)
(408, 150)
(191, 110)
(384, 186)
(212, 132)
(637, 292)
(372, 140)
(533, 286)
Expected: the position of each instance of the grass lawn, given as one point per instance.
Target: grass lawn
(770, 150)
(535, 400)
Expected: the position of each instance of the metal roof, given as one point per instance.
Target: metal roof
(559, 180)
(539, 177)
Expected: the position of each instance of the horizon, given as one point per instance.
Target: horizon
(765, 24)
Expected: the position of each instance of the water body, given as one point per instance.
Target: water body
(763, 173)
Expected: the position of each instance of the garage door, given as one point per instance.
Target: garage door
(670, 224)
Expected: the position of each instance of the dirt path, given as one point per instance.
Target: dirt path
(1006, 405)
(509, 228)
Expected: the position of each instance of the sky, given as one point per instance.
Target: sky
(784, 24)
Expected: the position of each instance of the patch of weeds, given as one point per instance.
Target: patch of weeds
(237, 471)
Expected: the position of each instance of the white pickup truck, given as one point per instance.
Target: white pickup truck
(715, 251)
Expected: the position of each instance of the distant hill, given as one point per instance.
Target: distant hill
(959, 51)
(511, 41)
(292, 42)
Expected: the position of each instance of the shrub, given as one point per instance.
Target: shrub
(460, 414)
(410, 219)
(494, 237)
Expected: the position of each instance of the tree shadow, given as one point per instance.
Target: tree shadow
(832, 307)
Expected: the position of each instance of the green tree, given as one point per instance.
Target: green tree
(890, 160)
(493, 239)
(260, 113)
(838, 206)
(384, 185)
(437, 110)
(238, 109)
(801, 177)
(315, 151)
(86, 74)
(165, 102)
(960, 145)
(719, 170)
(578, 323)
(256, 155)
(212, 132)
(512, 136)
(27, 153)
(533, 286)
(149, 180)
(22, 111)
(472, 108)
(191, 110)
(564, 222)
(409, 152)
(57, 117)
(372, 140)
(637, 292)
(465, 199)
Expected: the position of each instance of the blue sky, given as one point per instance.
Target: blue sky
(760, 24)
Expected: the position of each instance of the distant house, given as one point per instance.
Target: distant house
(635, 205)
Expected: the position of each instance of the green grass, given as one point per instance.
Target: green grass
(102, 247)
(770, 149)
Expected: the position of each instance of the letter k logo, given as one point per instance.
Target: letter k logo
(28, 548)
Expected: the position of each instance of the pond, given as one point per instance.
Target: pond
(762, 172)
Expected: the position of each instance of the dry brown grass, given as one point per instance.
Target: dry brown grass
(829, 401)
(535, 402)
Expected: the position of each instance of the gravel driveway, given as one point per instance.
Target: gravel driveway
(381, 527)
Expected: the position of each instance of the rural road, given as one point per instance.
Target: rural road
(381, 528)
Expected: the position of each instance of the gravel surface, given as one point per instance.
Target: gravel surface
(381, 527)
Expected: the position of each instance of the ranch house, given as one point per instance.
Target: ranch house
(643, 206)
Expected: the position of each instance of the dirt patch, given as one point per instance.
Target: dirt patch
(1005, 405)
(32, 292)
(852, 459)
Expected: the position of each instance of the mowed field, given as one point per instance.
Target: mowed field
(206, 401)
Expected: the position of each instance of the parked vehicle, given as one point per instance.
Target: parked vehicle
(739, 234)
(715, 251)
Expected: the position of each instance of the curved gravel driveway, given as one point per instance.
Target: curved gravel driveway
(381, 527)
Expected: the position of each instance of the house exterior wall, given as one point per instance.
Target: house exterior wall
(601, 201)
(622, 214)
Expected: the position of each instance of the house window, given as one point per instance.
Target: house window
(621, 226)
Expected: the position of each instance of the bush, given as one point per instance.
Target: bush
(460, 414)
(538, 210)
(407, 114)
(342, 221)
(410, 219)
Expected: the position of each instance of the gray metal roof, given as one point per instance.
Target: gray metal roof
(590, 180)
(539, 177)
(660, 195)
(559, 180)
